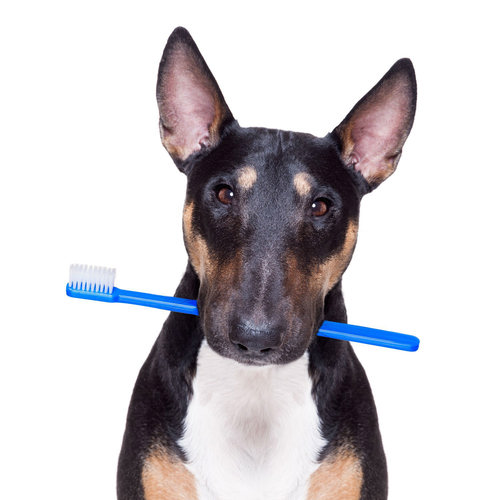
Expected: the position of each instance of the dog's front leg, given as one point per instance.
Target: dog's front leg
(166, 477)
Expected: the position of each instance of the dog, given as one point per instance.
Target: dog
(245, 401)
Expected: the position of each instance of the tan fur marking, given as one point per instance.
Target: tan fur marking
(304, 286)
(176, 151)
(220, 115)
(196, 246)
(207, 267)
(302, 183)
(339, 478)
(347, 141)
(166, 478)
(247, 177)
(333, 268)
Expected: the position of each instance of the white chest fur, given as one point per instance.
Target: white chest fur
(251, 433)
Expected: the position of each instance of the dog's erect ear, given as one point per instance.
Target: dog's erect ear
(192, 109)
(373, 133)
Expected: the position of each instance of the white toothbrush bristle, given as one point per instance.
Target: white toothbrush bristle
(92, 278)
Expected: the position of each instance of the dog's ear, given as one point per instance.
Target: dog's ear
(372, 135)
(192, 109)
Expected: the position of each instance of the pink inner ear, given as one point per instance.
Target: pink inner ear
(377, 133)
(193, 111)
(188, 107)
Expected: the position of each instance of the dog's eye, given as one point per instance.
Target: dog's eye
(224, 194)
(320, 207)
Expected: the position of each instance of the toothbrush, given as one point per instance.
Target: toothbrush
(97, 283)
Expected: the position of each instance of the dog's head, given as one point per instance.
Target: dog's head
(271, 217)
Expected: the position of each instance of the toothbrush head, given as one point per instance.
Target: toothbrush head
(97, 283)
(92, 282)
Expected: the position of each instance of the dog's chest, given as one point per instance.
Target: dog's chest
(251, 432)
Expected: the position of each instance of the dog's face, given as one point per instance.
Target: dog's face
(270, 225)
(271, 217)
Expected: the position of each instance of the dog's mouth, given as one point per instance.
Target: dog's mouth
(242, 354)
(262, 358)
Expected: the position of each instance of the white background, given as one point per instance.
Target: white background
(85, 179)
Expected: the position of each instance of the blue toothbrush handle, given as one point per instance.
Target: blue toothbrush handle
(329, 329)
(175, 304)
(365, 335)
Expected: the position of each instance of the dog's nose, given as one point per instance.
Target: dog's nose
(255, 340)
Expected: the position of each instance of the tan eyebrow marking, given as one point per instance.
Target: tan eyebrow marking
(303, 183)
(247, 177)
